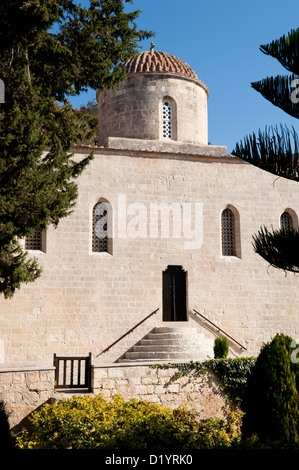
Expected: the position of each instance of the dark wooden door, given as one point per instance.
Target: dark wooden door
(174, 294)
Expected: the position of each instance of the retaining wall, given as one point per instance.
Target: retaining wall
(200, 393)
(25, 390)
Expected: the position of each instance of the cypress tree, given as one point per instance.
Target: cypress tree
(6, 441)
(50, 50)
(272, 402)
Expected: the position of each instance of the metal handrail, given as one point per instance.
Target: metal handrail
(129, 331)
(219, 329)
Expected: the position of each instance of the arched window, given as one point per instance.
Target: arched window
(228, 233)
(286, 221)
(167, 120)
(36, 241)
(101, 227)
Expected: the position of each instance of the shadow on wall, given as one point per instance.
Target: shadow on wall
(235, 347)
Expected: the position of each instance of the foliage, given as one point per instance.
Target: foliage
(276, 150)
(221, 348)
(15, 267)
(279, 89)
(279, 248)
(271, 404)
(94, 423)
(50, 50)
(88, 115)
(5, 436)
(90, 108)
(66, 48)
(231, 374)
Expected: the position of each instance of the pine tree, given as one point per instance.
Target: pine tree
(276, 149)
(50, 50)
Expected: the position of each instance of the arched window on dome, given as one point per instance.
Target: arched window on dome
(168, 121)
(102, 227)
(286, 221)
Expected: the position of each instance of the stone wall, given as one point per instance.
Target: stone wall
(201, 394)
(135, 110)
(24, 390)
(84, 301)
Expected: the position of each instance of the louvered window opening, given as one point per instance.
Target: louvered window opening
(286, 221)
(228, 233)
(99, 229)
(34, 242)
(167, 120)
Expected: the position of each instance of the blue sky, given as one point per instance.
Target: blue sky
(220, 40)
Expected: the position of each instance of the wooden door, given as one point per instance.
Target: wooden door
(174, 294)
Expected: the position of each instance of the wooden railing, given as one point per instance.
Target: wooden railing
(219, 329)
(72, 372)
(129, 331)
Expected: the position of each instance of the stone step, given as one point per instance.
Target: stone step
(172, 339)
(161, 336)
(151, 355)
(170, 344)
(163, 361)
(176, 329)
(164, 347)
(168, 341)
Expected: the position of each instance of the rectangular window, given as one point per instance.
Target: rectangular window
(34, 241)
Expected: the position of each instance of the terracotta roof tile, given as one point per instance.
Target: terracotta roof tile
(158, 61)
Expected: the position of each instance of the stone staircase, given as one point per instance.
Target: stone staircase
(171, 344)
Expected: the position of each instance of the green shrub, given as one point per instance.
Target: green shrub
(94, 423)
(231, 374)
(221, 348)
(5, 436)
(271, 405)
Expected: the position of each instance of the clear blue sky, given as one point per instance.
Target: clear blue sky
(220, 40)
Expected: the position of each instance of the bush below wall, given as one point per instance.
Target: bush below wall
(96, 423)
(209, 389)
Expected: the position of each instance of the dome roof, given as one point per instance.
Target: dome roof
(157, 61)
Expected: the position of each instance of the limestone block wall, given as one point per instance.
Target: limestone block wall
(84, 301)
(135, 109)
(200, 394)
(24, 390)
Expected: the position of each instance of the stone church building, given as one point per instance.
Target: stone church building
(156, 259)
